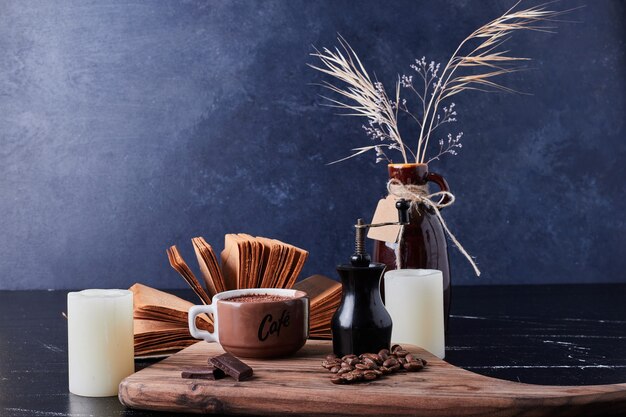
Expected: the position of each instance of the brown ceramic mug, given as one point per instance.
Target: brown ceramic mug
(256, 328)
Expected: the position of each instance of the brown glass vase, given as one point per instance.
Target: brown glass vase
(423, 244)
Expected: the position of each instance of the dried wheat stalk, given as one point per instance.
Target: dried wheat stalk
(367, 98)
(370, 98)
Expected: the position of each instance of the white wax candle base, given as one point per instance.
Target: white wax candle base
(414, 299)
(100, 341)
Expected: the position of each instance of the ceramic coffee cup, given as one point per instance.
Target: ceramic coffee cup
(256, 328)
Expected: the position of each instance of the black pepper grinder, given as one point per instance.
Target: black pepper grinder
(361, 323)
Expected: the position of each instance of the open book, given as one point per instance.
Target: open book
(246, 262)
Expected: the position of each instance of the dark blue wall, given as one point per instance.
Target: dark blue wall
(126, 127)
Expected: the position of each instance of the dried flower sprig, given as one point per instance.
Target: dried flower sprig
(367, 98)
(451, 146)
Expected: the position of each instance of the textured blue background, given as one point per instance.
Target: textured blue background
(129, 126)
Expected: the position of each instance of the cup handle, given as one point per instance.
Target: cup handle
(194, 312)
(441, 183)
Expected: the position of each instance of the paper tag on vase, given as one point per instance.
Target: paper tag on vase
(386, 211)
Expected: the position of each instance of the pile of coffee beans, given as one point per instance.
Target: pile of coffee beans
(369, 366)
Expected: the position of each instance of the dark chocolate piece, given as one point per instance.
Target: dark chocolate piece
(203, 372)
(232, 366)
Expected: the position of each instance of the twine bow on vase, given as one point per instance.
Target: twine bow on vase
(418, 194)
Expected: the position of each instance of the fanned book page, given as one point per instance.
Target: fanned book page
(209, 267)
(273, 259)
(325, 297)
(246, 262)
(230, 262)
(160, 323)
(178, 263)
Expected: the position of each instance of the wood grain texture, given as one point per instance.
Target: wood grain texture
(300, 386)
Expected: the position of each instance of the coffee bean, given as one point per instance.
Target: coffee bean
(383, 352)
(401, 361)
(369, 375)
(390, 362)
(370, 363)
(401, 353)
(373, 357)
(335, 369)
(331, 364)
(385, 370)
(409, 358)
(361, 366)
(346, 365)
(395, 347)
(413, 366)
(346, 357)
(348, 377)
(352, 361)
(343, 371)
(331, 357)
(395, 367)
(338, 380)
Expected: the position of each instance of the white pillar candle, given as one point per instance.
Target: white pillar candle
(414, 299)
(100, 341)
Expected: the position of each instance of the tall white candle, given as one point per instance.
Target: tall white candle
(414, 299)
(100, 341)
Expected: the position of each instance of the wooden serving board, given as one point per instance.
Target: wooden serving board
(300, 386)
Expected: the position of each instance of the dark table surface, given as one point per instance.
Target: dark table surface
(555, 335)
